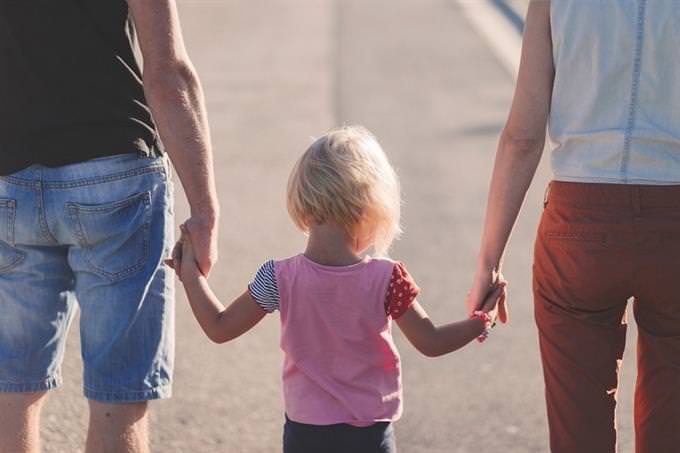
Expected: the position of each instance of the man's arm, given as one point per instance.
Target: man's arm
(175, 97)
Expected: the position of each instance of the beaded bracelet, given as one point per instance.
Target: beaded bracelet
(488, 324)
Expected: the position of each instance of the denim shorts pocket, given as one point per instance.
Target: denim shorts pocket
(114, 236)
(10, 257)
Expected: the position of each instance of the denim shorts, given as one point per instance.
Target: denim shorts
(92, 235)
(338, 438)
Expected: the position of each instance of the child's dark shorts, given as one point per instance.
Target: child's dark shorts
(339, 438)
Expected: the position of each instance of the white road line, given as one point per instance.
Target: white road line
(502, 37)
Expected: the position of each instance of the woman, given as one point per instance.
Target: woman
(603, 75)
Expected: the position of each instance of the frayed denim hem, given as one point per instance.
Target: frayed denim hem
(44, 385)
(122, 397)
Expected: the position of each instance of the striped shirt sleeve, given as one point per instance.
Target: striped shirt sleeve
(264, 288)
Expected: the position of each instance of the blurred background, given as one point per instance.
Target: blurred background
(520, 6)
(425, 78)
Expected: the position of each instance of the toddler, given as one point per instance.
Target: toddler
(342, 371)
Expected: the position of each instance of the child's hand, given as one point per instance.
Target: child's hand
(494, 299)
(188, 267)
(175, 260)
(482, 283)
(183, 259)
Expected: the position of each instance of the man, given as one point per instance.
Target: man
(86, 206)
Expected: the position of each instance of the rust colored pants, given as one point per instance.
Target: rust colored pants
(597, 246)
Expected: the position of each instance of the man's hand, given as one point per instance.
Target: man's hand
(484, 284)
(183, 259)
(188, 268)
(202, 232)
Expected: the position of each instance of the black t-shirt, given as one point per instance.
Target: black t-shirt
(70, 84)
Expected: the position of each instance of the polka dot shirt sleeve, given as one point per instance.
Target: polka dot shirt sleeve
(401, 292)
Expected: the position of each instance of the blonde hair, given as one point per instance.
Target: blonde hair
(346, 178)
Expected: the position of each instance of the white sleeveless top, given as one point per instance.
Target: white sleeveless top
(615, 114)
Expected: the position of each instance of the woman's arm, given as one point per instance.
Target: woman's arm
(519, 151)
(435, 341)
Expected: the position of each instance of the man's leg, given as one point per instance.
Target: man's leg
(20, 421)
(116, 428)
(123, 225)
(35, 313)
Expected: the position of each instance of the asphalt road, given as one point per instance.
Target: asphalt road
(277, 73)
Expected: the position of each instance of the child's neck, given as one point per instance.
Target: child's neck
(330, 245)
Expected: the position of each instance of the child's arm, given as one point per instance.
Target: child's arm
(219, 324)
(434, 341)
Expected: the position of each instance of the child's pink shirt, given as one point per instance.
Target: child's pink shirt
(341, 364)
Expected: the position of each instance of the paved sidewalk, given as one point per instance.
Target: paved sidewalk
(416, 73)
(520, 6)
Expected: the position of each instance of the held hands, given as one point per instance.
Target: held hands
(488, 294)
(183, 259)
(201, 232)
(488, 312)
(495, 300)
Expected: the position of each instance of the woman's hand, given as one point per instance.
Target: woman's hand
(494, 303)
(484, 285)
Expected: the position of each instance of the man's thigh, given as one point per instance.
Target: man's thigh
(99, 230)
(35, 306)
(36, 311)
(118, 218)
